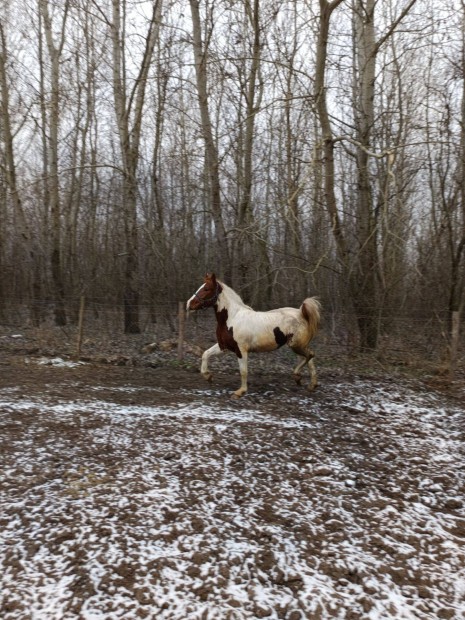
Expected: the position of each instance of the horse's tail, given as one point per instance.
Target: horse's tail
(310, 310)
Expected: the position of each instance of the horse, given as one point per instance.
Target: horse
(243, 330)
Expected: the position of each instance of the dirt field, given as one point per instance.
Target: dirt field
(139, 491)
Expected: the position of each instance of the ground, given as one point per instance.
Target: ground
(133, 489)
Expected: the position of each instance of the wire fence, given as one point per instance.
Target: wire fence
(403, 337)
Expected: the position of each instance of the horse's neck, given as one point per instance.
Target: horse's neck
(230, 300)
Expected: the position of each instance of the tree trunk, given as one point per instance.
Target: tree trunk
(360, 268)
(326, 10)
(250, 250)
(26, 252)
(211, 151)
(366, 268)
(54, 52)
(130, 107)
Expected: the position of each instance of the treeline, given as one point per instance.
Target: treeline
(294, 147)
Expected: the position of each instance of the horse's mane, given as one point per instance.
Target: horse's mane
(232, 295)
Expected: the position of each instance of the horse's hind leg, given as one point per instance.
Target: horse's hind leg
(313, 376)
(308, 355)
(297, 369)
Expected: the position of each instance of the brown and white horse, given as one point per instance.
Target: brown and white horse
(243, 330)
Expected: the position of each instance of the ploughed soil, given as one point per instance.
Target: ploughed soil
(131, 488)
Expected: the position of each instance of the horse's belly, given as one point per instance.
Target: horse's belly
(263, 347)
(262, 342)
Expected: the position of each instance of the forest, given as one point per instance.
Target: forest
(293, 147)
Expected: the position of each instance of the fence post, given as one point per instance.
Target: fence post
(181, 329)
(82, 306)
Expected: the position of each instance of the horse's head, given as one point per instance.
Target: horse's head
(207, 295)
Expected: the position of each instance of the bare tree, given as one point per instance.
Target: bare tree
(457, 289)
(10, 168)
(327, 134)
(366, 275)
(212, 163)
(443, 261)
(129, 106)
(360, 264)
(51, 111)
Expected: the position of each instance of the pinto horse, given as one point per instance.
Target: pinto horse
(243, 330)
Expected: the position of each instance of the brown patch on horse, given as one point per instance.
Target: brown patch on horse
(207, 296)
(224, 335)
(280, 337)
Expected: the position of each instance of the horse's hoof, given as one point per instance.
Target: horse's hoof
(312, 386)
(237, 394)
(298, 379)
(207, 376)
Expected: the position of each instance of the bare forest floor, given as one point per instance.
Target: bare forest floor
(130, 488)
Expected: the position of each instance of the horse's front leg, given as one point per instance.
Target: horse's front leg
(214, 350)
(243, 370)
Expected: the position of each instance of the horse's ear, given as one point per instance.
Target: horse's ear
(210, 277)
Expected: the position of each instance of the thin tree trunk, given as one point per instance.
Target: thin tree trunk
(54, 53)
(249, 245)
(211, 151)
(366, 268)
(326, 10)
(24, 237)
(130, 107)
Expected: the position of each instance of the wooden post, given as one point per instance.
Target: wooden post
(82, 306)
(181, 329)
(454, 343)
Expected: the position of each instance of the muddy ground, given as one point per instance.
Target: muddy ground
(130, 488)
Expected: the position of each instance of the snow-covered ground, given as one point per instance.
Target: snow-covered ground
(344, 504)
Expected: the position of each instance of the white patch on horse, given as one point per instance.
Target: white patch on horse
(194, 296)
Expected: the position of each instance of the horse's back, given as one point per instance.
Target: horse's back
(269, 330)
